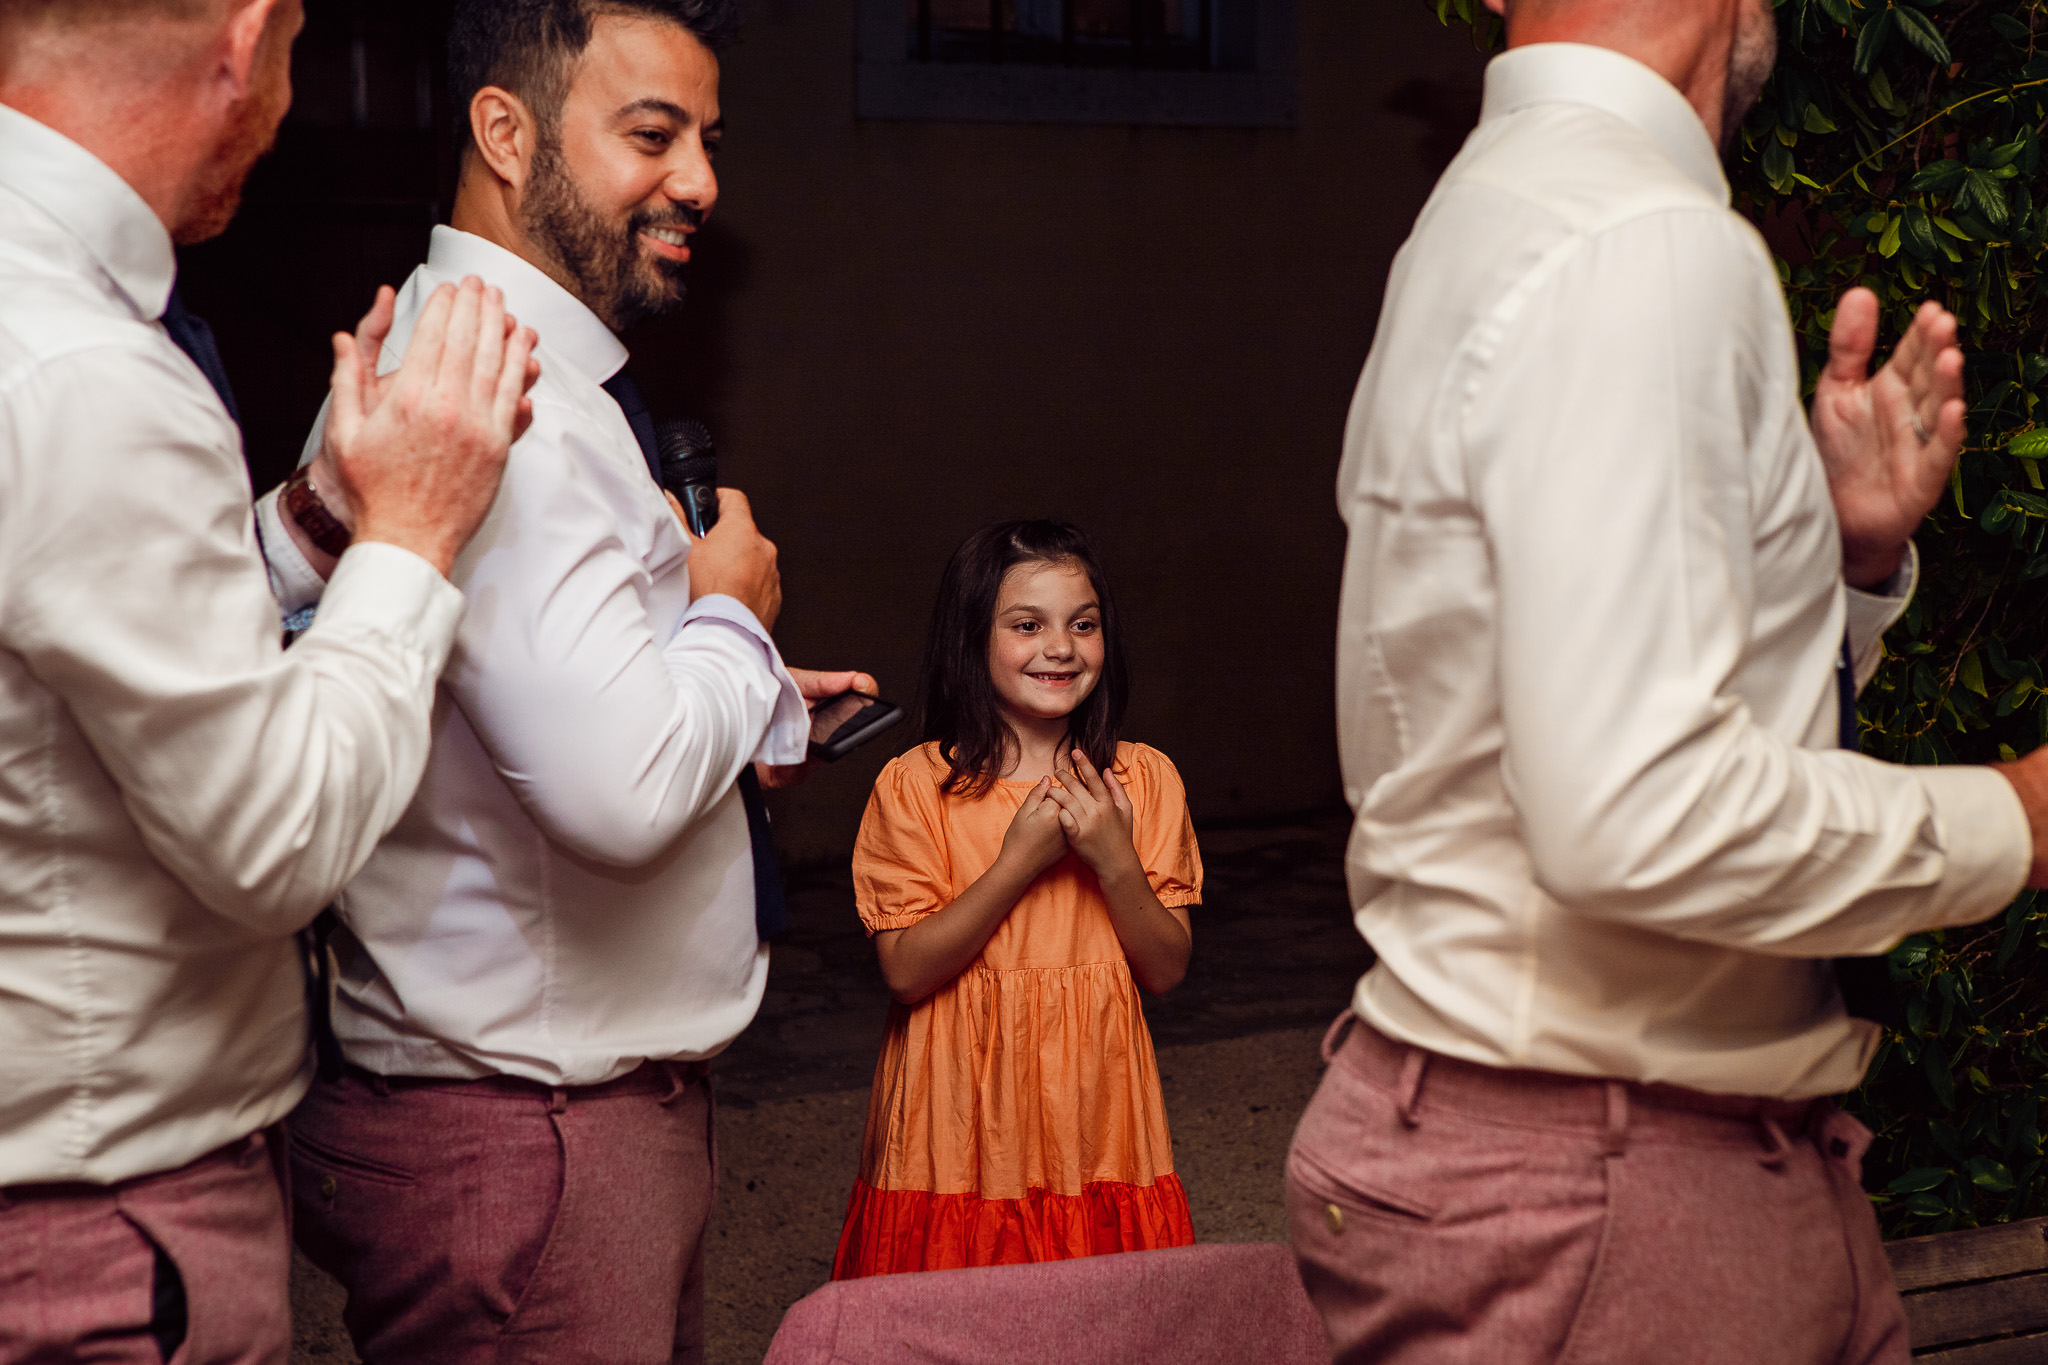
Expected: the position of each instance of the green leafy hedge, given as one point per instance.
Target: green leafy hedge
(1899, 146)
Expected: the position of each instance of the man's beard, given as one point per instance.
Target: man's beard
(251, 133)
(1750, 59)
(604, 262)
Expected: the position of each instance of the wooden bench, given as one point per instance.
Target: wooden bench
(1977, 1297)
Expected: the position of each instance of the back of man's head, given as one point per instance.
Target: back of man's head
(530, 47)
(178, 97)
(19, 19)
(91, 11)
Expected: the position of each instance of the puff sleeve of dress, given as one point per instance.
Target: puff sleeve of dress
(1161, 828)
(901, 864)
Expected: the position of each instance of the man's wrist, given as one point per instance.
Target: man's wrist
(433, 547)
(1868, 569)
(311, 519)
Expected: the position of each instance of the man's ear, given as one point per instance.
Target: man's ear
(246, 28)
(505, 133)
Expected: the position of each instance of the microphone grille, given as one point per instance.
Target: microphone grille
(679, 438)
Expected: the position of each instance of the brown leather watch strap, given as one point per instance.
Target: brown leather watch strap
(302, 504)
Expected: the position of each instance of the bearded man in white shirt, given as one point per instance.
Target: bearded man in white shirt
(177, 796)
(1600, 577)
(536, 965)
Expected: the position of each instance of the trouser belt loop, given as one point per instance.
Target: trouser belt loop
(676, 1075)
(1334, 1037)
(1411, 1085)
(1614, 1140)
(558, 1100)
(1777, 1146)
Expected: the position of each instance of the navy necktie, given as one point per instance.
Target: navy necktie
(771, 912)
(195, 339)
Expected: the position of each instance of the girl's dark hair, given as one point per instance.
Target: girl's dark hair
(958, 703)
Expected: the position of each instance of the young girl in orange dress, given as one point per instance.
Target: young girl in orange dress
(1022, 874)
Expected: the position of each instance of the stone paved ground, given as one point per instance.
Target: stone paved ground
(1275, 957)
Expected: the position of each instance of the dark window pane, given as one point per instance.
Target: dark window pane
(1154, 33)
(962, 16)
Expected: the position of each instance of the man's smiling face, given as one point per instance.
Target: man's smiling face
(625, 177)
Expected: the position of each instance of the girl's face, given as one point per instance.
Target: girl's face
(1045, 648)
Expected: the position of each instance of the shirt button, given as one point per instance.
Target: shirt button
(328, 1187)
(1334, 1216)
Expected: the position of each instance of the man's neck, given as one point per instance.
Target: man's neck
(124, 124)
(1687, 42)
(485, 207)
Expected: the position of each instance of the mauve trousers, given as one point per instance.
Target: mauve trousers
(78, 1264)
(476, 1222)
(1446, 1212)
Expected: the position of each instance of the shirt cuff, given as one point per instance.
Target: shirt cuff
(1871, 613)
(395, 593)
(788, 740)
(292, 579)
(1987, 846)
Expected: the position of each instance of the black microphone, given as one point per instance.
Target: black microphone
(689, 469)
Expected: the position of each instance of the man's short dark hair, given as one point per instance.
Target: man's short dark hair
(529, 47)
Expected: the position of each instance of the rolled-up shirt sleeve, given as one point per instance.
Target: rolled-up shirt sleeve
(134, 591)
(615, 732)
(1624, 524)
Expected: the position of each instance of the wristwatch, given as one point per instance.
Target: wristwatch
(301, 502)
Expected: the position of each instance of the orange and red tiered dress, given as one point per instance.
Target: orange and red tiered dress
(1016, 1113)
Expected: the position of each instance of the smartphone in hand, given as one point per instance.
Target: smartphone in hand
(841, 724)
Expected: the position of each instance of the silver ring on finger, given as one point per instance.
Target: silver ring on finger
(1920, 431)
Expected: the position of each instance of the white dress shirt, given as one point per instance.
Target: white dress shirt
(177, 795)
(572, 892)
(1592, 607)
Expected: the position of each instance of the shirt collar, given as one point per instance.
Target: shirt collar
(94, 204)
(567, 327)
(1576, 73)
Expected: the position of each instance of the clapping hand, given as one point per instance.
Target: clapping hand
(361, 354)
(364, 350)
(418, 454)
(1095, 815)
(1887, 440)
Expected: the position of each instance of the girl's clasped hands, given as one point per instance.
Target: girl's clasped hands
(1082, 810)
